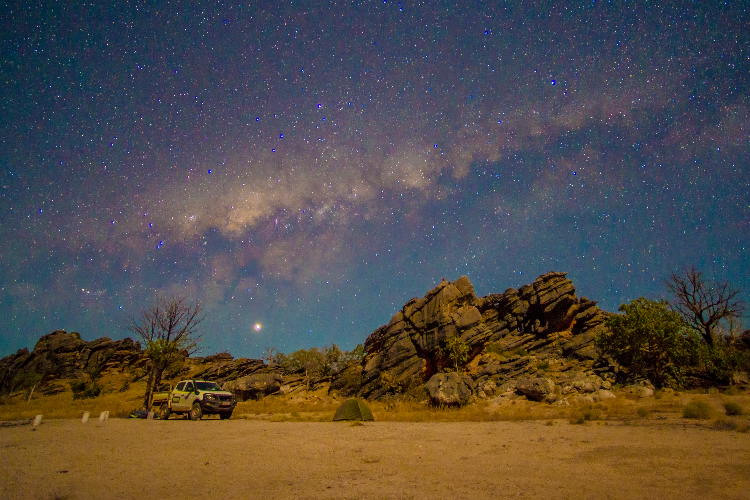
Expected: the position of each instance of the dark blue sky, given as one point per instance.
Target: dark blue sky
(312, 167)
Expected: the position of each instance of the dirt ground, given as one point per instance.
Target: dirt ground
(124, 459)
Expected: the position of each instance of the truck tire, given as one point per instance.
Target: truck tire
(196, 412)
(164, 412)
(225, 415)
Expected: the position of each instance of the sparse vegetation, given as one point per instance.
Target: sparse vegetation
(584, 414)
(699, 410)
(496, 348)
(345, 366)
(28, 381)
(732, 408)
(85, 390)
(457, 351)
(542, 365)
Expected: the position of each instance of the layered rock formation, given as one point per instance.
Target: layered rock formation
(62, 355)
(537, 341)
(250, 378)
(540, 329)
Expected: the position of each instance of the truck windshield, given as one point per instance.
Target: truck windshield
(207, 386)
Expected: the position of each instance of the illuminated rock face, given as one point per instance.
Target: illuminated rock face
(62, 355)
(542, 326)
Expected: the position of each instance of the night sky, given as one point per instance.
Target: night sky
(309, 166)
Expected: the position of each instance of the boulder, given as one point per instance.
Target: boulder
(450, 389)
(587, 383)
(536, 389)
(602, 395)
(642, 391)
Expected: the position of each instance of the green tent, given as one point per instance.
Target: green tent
(353, 409)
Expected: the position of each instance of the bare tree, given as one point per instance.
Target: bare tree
(169, 330)
(270, 355)
(704, 304)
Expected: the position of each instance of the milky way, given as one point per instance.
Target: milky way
(310, 168)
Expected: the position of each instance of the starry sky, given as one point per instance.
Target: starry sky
(311, 166)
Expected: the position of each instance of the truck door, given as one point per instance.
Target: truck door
(179, 395)
(188, 396)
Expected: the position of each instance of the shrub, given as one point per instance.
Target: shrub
(724, 424)
(732, 408)
(698, 410)
(721, 360)
(581, 415)
(495, 348)
(650, 340)
(85, 390)
(457, 352)
(348, 380)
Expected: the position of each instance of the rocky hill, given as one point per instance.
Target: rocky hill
(540, 336)
(60, 355)
(537, 341)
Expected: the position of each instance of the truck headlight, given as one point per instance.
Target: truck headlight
(208, 397)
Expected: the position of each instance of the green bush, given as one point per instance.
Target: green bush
(85, 390)
(457, 352)
(650, 340)
(698, 410)
(721, 360)
(348, 380)
(732, 408)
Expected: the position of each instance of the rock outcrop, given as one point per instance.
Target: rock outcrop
(536, 341)
(251, 378)
(62, 355)
(540, 331)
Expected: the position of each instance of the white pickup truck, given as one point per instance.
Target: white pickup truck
(196, 398)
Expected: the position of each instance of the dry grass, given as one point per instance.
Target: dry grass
(319, 406)
(111, 399)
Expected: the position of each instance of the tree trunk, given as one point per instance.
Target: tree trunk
(708, 335)
(31, 394)
(149, 388)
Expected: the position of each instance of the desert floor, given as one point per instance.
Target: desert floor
(122, 459)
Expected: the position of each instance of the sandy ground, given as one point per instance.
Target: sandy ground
(124, 459)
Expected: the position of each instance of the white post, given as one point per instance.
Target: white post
(150, 415)
(103, 416)
(37, 420)
(85, 417)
